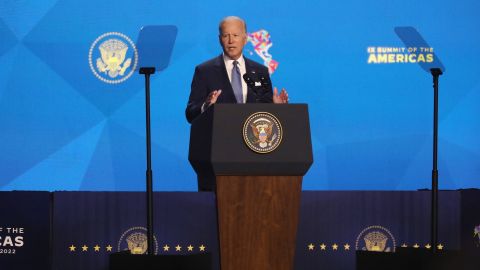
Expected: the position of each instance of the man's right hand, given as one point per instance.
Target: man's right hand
(212, 97)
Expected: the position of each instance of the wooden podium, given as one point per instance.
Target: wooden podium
(258, 194)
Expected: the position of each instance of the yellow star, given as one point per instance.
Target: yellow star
(166, 247)
(334, 246)
(96, 248)
(109, 248)
(84, 248)
(202, 248)
(416, 245)
(311, 246)
(440, 246)
(346, 246)
(404, 245)
(72, 247)
(178, 248)
(323, 246)
(427, 246)
(190, 248)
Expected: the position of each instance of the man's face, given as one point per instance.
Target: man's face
(233, 38)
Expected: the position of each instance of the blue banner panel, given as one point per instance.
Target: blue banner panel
(25, 230)
(89, 226)
(333, 225)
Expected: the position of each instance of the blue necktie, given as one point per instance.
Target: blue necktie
(237, 83)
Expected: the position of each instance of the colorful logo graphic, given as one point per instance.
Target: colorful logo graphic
(135, 240)
(113, 57)
(261, 43)
(375, 238)
(262, 132)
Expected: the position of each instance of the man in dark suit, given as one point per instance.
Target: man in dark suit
(221, 78)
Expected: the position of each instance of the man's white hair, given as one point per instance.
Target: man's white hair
(228, 18)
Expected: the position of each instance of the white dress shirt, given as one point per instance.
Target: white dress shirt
(243, 69)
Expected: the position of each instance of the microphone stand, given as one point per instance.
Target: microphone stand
(436, 72)
(147, 71)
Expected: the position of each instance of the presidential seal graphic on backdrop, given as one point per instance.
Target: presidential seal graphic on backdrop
(135, 240)
(113, 57)
(262, 132)
(375, 238)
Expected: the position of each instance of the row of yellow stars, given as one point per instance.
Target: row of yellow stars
(347, 247)
(109, 248)
(179, 248)
(96, 248)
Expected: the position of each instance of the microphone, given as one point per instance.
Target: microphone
(256, 80)
(249, 80)
(259, 83)
(265, 81)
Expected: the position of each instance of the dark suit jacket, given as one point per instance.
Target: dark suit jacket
(212, 75)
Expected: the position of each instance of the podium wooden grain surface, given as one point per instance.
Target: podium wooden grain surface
(257, 221)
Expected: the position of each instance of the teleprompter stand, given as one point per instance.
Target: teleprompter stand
(147, 71)
(419, 258)
(155, 45)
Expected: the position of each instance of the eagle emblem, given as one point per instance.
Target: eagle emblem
(262, 132)
(375, 238)
(137, 243)
(135, 240)
(113, 62)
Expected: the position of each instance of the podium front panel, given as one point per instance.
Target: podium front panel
(217, 146)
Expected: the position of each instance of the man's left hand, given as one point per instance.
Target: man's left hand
(279, 98)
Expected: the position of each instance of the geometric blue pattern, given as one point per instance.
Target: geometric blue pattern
(22, 16)
(77, 153)
(8, 38)
(6, 53)
(64, 129)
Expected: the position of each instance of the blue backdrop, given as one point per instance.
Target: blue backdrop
(370, 99)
